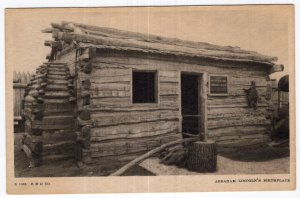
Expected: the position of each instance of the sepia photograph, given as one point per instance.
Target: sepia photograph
(137, 95)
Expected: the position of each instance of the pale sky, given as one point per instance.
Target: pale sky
(265, 29)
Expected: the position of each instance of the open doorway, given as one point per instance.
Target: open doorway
(191, 104)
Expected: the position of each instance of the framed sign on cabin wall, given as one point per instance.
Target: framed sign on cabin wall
(218, 85)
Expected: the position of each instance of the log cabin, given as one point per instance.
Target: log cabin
(113, 94)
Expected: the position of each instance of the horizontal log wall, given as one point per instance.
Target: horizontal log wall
(130, 146)
(121, 127)
(230, 121)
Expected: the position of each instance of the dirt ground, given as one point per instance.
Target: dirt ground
(259, 160)
(225, 166)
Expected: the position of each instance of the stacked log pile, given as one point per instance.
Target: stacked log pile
(48, 110)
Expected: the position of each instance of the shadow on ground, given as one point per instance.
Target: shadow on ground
(258, 153)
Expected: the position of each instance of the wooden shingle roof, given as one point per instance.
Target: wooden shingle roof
(147, 42)
(110, 38)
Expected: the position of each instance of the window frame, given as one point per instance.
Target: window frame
(156, 87)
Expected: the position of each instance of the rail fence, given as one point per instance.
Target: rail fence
(20, 81)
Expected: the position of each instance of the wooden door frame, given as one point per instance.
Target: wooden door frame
(202, 100)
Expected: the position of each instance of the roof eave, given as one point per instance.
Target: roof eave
(166, 53)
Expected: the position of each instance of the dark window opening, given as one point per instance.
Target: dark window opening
(144, 87)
